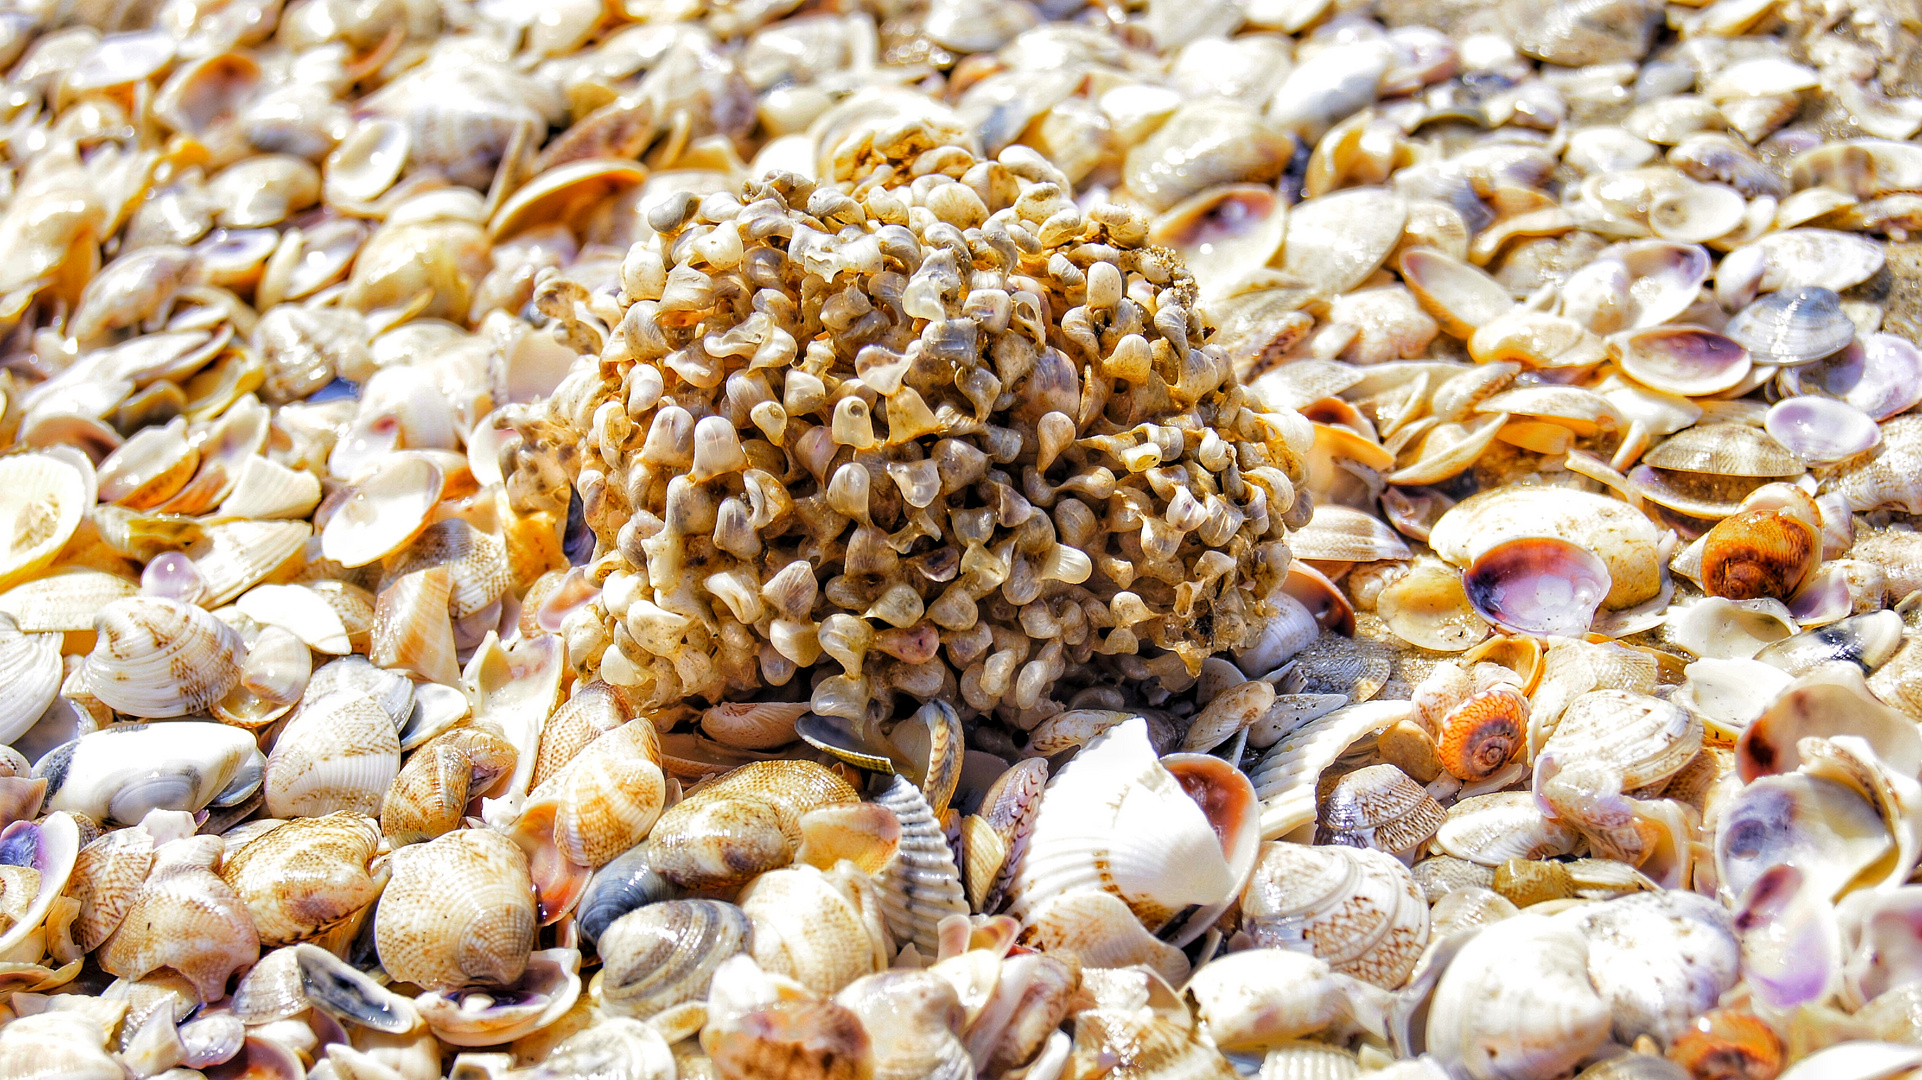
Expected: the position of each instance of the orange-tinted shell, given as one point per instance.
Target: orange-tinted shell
(1478, 736)
(1725, 1044)
(1759, 553)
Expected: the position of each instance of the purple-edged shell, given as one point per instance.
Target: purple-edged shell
(1685, 360)
(1795, 326)
(1821, 430)
(1537, 585)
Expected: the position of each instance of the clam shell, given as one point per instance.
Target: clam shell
(1625, 539)
(1794, 326)
(1428, 607)
(543, 994)
(458, 911)
(1647, 739)
(412, 630)
(159, 658)
(594, 709)
(476, 564)
(1115, 819)
(264, 488)
(1342, 534)
(1724, 449)
(607, 797)
(106, 874)
(339, 752)
(1887, 475)
(387, 509)
(64, 600)
(30, 677)
(921, 885)
(753, 725)
(185, 918)
(626, 884)
(120, 773)
(1357, 909)
(235, 556)
(1517, 1001)
(1659, 959)
(302, 878)
(1492, 829)
(914, 1019)
(302, 612)
(430, 794)
(47, 495)
(1821, 431)
(824, 930)
(746, 822)
(1685, 360)
(1538, 585)
(1824, 828)
(1099, 930)
(664, 954)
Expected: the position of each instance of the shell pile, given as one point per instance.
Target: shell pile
(960, 539)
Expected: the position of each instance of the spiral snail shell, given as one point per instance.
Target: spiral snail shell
(1759, 553)
(1478, 736)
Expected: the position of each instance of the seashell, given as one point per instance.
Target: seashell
(1774, 821)
(66, 1044)
(48, 496)
(1659, 959)
(1594, 31)
(1491, 829)
(1286, 776)
(1427, 607)
(391, 690)
(625, 884)
(412, 629)
(149, 468)
(1097, 929)
(1198, 148)
(1343, 534)
(1760, 553)
(515, 689)
(1517, 1002)
(1796, 258)
(43, 855)
(807, 1040)
(264, 488)
(1867, 641)
(1115, 790)
(1718, 628)
(1793, 326)
(339, 990)
(1476, 738)
(120, 773)
(476, 564)
(1224, 233)
(914, 1020)
(1537, 585)
(1336, 241)
(66, 599)
(663, 955)
(594, 709)
(30, 677)
(635, 1048)
(158, 658)
(1262, 998)
(302, 612)
(570, 193)
(1724, 449)
(1821, 431)
(303, 878)
(1624, 539)
(1697, 213)
(387, 509)
(743, 824)
(920, 885)
(1879, 374)
(1824, 705)
(1462, 297)
(1228, 713)
(1729, 694)
(753, 725)
(608, 797)
(338, 752)
(185, 918)
(479, 1017)
(824, 930)
(1379, 807)
(1685, 360)
(1728, 1041)
(1355, 908)
(458, 911)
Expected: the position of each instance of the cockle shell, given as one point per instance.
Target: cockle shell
(430, 794)
(185, 918)
(458, 911)
(744, 823)
(1115, 819)
(120, 773)
(543, 994)
(824, 930)
(608, 796)
(339, 752)
(626, 884)
(920, 885)
(914, 1019)
(1356, 908)
(160, 658)
(1285, 779)
(387, 509)
(1491, 829)
(1647, 739)
(303, 877)
(66, 1044)
(1379, 807)
(753, 725)
(1659, 959)
(1516, 1002)
(30, 677)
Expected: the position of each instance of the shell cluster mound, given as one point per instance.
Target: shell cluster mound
(953, 439)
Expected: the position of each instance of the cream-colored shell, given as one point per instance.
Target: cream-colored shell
(30, 676)
(185, 918)
(159, 658)
(920, 885)
(46, 496)
(1356, 908)
(824, 930)
(458, 911)
(1286, 776)
(1623, 536)
(1645, 738)
(1516, 1003)
(339, 752)
(303, 877)
(607, 797)
(1492, 829)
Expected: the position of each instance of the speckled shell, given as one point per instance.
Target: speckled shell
(1379, 807)
(607, 797)
(157, 657)
(594, 708)
(824, 930)
(185, 918)
(1358, 909)
(458, 911)
(303, 877)
(1659, 959)
(743, 824)
(106, 875)
(339, 752)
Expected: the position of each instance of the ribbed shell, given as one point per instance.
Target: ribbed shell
(608, 796)
(458, 911)
(158, 658)
(1492, 829)
(106, 875)
(430, 793)
(46, 497)
(822, 930)
(339, 752)
(1286, 776)
(185, 918)
(1357, 908)
(476, 563)
(271, 990)
(743, 824)
(412, 630)
(1439, 875)
(1725, 448)
(594, 709)
(1647, 738)
(302, 878)
(65, 600)
(1380, 807)
(1114, 819)
(30, 676)
(1306, 1060)
(921, 885)
(664, 954)
(235, 556)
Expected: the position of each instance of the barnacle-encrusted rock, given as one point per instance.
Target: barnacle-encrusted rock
(955, 438)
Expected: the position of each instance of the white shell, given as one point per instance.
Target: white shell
(339, 752)
(119, 773)
(1285, 778)
(1114, 819)
(1659, 959)
(388, 507)
(30, 676)
(158, 658)
(1262, 997)
(300, 611)
(1516, 1003)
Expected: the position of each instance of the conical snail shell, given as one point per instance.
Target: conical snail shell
(1477, 737)
(458, 911)
(158, 657)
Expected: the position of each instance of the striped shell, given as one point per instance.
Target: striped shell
(1356, 908)
(1379, 807)
(161, 658)
(920, 886)
(663, 955)
(339, 752)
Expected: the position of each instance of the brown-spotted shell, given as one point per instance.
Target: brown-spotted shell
(1759, 553)
(1478, 736)
(1537, 585)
